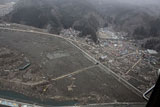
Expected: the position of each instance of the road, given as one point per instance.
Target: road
(32, 31)
(55, 79)
(106, 69)
(73, 73)
(87, 72)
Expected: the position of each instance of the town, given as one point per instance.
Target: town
(122, 55)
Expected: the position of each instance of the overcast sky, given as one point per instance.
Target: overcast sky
(139, 2)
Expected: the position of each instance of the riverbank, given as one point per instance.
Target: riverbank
(17, 97)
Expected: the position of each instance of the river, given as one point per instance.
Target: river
(11, 95)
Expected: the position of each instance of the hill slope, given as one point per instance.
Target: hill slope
(55, 15)
(6, 1)
(140, 21)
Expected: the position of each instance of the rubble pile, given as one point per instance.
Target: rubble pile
(69, 33)
(13, 65)
(9, 60)
(121, 55)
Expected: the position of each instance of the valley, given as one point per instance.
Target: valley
(90, 52)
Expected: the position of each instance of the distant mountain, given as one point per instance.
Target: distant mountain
(7, 1)
(58, 14)
(139, 20)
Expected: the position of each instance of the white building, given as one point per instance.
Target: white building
(152, 51)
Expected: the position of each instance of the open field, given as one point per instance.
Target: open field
(58, 71)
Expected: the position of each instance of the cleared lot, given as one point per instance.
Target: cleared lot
(94, 85)
(53, 57)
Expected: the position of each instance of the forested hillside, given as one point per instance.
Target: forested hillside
(58, 14)
(140, 20)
